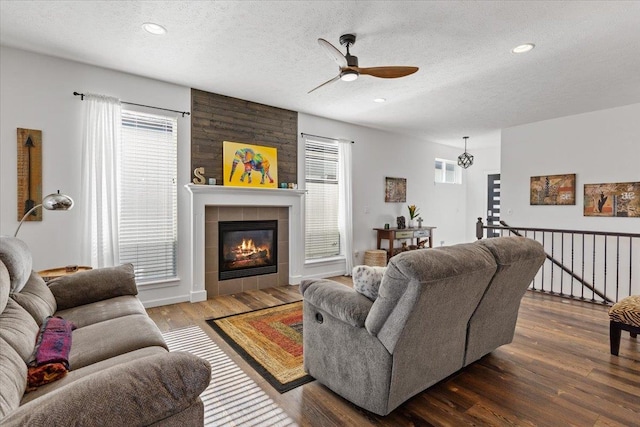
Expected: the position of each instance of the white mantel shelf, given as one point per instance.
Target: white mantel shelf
(218, 195)
(237, 191)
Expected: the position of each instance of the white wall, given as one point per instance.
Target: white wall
(599, 147)
(37, 93)
(378, 154)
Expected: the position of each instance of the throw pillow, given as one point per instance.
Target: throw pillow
(15, 255)
(95, 285)
(366, 280)
(36, 298)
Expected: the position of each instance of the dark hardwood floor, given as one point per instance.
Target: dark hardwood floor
(557, 372)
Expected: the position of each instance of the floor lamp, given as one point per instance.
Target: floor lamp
(52, 202)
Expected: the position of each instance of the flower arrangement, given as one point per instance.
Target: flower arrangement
(413, 211)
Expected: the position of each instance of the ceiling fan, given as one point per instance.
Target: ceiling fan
(349, 70)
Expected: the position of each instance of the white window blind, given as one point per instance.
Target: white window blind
(322, 237)
(148, 195)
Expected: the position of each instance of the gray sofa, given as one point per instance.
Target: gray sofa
(121, 372)
(438, 310)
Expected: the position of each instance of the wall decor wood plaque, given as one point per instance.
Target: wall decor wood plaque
(29, 173)
(553, 190)
(613, 199)
(395, 190)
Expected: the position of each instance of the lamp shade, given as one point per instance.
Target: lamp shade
(57, 201)
(52, 202)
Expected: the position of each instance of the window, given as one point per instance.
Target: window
(148, 195)
(322, 237)
(447, 172)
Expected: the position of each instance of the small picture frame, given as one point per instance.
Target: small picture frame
(395, 190)
(553, 190)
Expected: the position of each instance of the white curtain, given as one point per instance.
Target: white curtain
(345, 210)
(99, 201)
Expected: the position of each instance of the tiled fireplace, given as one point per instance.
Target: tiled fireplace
(216, 215)
(212, 206)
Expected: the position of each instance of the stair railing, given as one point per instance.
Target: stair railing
(574, 255)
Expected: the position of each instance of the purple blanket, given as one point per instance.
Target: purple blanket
(54, 342)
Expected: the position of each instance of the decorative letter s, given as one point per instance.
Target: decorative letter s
(199, 173)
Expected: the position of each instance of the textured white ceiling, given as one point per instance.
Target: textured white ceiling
(587, 55)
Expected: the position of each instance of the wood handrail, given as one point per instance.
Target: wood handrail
(556, 230)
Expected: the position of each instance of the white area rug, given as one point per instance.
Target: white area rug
(232, 398)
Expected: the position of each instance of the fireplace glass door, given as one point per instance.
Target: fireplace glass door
(247, 248)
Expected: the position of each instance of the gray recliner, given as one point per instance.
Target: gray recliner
(437, 311)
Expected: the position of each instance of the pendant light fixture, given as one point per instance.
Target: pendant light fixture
(465, 159)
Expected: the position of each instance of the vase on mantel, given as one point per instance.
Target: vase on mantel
(412, 223)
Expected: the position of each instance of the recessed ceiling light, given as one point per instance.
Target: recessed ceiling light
(523, 48)
(380, 100)
(152, 28)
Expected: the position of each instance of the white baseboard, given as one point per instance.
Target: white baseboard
(165, 301)
(198, 296)
(295, 280)
(324, 275)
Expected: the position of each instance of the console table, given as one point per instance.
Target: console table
(393, 234)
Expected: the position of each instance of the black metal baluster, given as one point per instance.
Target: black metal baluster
(562, 262)
(630, 261)
(605, 266)
(545, 248)
(593, 269)
(572, 241)
(617, 268)
(534, 281)
(553, 255)
(582, 275)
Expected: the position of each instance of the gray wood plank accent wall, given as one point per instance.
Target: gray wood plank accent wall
(217, 118)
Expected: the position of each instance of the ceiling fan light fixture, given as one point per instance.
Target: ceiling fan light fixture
(523, 48)
(155, 29)
(348, 69)
(348, 75)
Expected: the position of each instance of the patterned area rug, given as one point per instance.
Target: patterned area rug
(232, 398)
(270, 340)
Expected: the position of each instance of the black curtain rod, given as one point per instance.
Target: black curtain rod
(82, 95)
(325, 137)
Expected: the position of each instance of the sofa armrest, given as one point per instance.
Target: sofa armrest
(340, 301)
(137, 393)
(96, 285)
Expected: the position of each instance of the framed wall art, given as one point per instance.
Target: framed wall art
(29, 173)
(246, 165)
(614, 199)
(553, 190)
(395, 190)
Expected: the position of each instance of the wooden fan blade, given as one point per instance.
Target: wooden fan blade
(326, 83)
(333, 53)
(386, 72)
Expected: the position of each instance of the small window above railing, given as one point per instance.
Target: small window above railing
(447, 172)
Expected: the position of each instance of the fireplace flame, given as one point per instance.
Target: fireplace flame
(248, 248)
